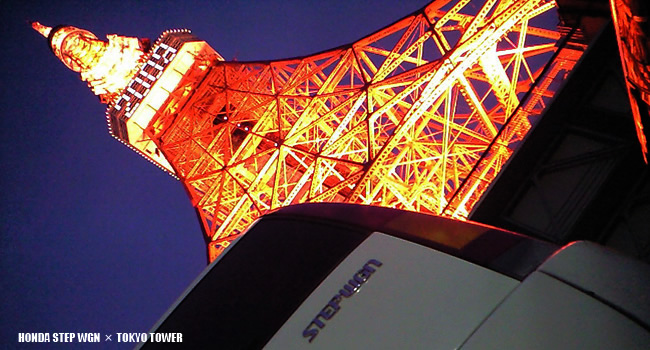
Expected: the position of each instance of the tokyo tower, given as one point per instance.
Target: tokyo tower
(420, 115)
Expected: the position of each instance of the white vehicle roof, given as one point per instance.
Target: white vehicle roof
(338, 276)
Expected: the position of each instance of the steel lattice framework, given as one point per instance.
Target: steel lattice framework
(420, 115)
(409, 117)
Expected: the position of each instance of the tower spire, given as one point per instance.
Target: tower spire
(44, 30)
(107, 66)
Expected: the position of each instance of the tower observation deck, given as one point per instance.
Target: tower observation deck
(420, 115)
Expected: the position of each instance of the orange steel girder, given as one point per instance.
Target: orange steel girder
(410, 117)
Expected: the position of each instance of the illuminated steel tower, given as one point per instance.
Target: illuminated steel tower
(420, 115)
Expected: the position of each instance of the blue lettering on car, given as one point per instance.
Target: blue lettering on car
(334, 305)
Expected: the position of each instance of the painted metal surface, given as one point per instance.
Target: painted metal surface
(421, 115)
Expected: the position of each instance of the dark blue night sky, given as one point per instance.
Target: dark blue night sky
(93, 237)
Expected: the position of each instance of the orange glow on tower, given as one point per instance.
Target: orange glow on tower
(633, 35)
(107, 66)
(421, 115)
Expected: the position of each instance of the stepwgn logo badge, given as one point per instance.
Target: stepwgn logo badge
(334, 305)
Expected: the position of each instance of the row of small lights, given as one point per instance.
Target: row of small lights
(142, 60)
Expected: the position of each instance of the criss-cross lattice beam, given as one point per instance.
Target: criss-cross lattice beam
(409, 117)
